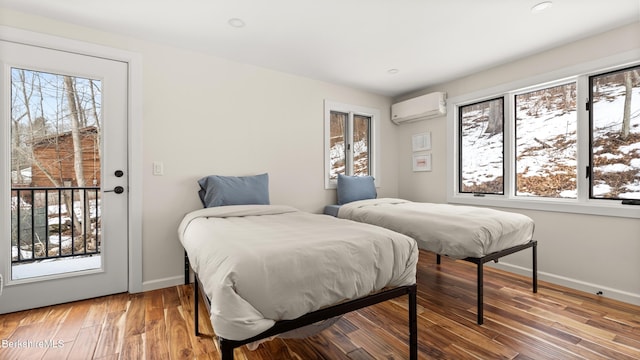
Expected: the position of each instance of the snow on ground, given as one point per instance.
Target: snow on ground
(55, 267)
(482, 161)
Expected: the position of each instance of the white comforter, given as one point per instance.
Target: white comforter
(452, 230)
(263, 263)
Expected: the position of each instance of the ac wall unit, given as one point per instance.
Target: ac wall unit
(419, 108)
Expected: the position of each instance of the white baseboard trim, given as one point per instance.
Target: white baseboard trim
(162, 283)
(590, 288)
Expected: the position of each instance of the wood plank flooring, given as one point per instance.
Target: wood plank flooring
(555, 323)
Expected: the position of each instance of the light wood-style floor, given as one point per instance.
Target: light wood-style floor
(555, 323)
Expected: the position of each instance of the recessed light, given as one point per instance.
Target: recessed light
(541, 6)
(236, 22)
(393, 71)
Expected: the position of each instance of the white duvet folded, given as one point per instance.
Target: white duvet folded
(262, 263)
(452, 230)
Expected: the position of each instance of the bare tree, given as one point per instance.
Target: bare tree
(494, 123)
(626, 118)
(76, 121)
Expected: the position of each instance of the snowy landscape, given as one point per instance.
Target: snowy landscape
(547, 147)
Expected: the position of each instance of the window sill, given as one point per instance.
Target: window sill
(590, 207)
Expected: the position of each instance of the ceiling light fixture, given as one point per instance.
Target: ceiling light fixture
(393, 71)
(541, 6)
(236, 22)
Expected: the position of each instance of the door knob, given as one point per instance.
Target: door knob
(118, 173)
(117, 190)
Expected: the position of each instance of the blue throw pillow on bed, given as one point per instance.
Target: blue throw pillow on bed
(216, 190)
(353, 188)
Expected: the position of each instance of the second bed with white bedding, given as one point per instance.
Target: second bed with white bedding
(455, 231)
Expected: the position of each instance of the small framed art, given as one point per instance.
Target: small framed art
(421, 162)
(421, 142)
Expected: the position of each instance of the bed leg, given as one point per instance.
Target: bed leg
(535, 266)
(196, 305)
(413, 323)
(226, 349)
(438, 259)
(186, 268)
(480, 294)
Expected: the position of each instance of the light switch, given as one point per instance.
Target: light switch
(158, 168)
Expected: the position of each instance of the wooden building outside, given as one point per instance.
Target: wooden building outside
(55, 154)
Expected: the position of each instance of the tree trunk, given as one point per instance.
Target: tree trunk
(626, 119)
(77, 151)
(494, 123)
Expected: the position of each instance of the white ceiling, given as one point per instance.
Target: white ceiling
(352, 42)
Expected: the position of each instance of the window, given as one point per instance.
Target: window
(546, 142)
(615, 135)
(482, 147)
(569, 143)
(349, 141)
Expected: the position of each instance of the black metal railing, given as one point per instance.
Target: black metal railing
(54, 222)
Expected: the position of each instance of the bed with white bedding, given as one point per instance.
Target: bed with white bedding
(268, 269)
(470, 233)
(455, 231)
(474, 234)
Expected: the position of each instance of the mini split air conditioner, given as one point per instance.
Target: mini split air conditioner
(419, 108)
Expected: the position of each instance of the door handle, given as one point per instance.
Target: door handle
(117, 190)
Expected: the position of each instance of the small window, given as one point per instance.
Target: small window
(481, 147)
(349, 141)
(337, 144)
(546, 142)
(361, 145)
(615, 135)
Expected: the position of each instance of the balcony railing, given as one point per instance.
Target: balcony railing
(42, 227)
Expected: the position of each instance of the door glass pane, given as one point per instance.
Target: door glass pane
(482, 148)
(55, 173)
(361, 145)
(337, 145)
(615, 135)
(546, 142)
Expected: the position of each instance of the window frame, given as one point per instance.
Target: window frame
(583, 204)
(459, 125)
(513, 119)
(374, 143)
(590, 105)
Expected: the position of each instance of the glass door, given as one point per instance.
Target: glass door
(65, 136)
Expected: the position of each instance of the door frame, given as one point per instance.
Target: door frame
(134, 130)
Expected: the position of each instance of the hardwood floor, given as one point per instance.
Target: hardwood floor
(555, 323)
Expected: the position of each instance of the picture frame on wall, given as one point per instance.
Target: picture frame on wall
(421, 142)
(421, 162)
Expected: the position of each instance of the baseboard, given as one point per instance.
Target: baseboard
(608, 292)
(590, 288)
(162, 283)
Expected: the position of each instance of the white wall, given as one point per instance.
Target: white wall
(592, 253)
(206, 115)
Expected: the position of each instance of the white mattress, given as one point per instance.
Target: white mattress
(262, 263)
(452, 230)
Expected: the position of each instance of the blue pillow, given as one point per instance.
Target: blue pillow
(216, 190)
(353, 188)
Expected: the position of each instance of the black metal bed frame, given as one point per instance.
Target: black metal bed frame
(479, 261)
(227, 346)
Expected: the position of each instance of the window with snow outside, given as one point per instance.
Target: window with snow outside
(481, 147)
(546, 142)
(614, 118)
(349, 144)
